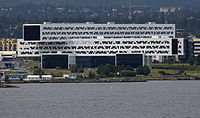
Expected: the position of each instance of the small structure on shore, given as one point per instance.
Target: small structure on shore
(46, 77)
(38, 77)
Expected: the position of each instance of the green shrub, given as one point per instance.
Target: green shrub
(129, 74)
(143, 70)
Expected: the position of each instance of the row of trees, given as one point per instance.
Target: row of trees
(84, 3)
(109, 70)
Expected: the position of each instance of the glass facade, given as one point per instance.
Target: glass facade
(133, 60)
(8, 59)
(174, 46)
(31, 33)
(54, 61)
(94, 61)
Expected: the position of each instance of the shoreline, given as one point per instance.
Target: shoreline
(105, 80)
(75, 81)
(8, 86)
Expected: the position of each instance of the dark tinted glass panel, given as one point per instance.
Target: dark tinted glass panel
(53, 61)
(8, 59)
(174, 46)
(133, 60)
(94, 61)
(31, 33)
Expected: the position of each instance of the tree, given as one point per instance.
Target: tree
(106, 70)
(139, 70)
(119, 68)
(128, 67)
(129, 74)
(6, 78)
(91, 75)
(74, 69)
(80, 70)
(146, 70)
(99, 69)
(143, 70)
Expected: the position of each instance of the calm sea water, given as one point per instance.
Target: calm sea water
(155, 99)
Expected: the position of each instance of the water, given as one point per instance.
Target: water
(155, 99)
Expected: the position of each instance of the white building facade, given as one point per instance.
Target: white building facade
(65, 31)
(92, 40)
(101, 46)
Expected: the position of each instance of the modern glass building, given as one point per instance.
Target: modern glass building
(90, 45)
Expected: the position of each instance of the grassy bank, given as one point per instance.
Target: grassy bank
(170, 70)
(190, 70)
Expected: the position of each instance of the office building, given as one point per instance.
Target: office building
(90, 45)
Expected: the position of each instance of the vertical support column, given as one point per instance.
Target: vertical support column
(148, 61)
(41, 61)
(71, 60)
(115, 60)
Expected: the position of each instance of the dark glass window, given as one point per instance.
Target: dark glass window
(133, 60)
(174, 46)
(31, 33)
(94, 61)
(8, 59)
(53, 61)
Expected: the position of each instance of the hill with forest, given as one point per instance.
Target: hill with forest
(106, 3)
(15, 13)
